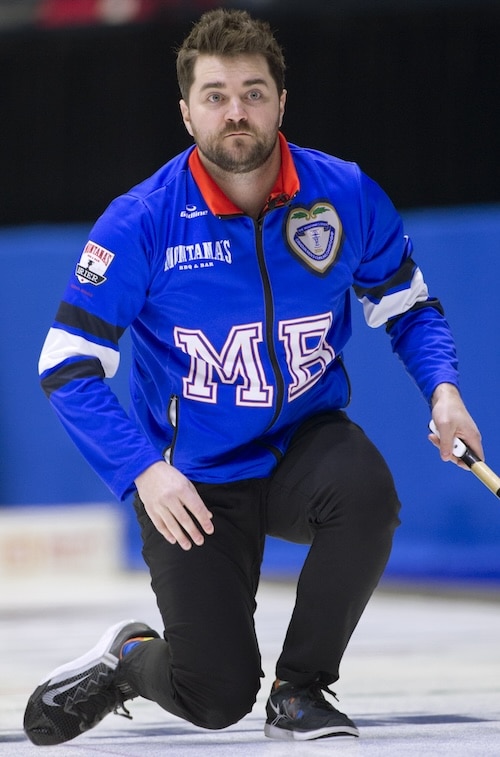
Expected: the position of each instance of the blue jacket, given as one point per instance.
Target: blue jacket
(237, 325)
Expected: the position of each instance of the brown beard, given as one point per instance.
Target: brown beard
(251, 159)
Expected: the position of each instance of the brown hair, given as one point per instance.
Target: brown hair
(228, 32)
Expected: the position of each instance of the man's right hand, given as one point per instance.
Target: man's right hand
(174, 505)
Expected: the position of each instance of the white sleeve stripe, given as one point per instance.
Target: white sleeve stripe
(391, 305)
(60, 345)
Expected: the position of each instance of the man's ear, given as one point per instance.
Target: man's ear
(185, 116)
(282, 105)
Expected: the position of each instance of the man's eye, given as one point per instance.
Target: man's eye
(254, 95)
(215, 98)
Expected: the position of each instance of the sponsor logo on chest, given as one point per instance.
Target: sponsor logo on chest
(206, 254)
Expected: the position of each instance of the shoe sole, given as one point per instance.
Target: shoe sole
(100, 653)
(285, 734)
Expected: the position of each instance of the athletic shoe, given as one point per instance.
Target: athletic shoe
(302, 713)
(77, 696)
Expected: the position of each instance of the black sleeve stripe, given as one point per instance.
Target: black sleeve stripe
(402, 276)
(87, 368)
(78, 318)
(430, 303)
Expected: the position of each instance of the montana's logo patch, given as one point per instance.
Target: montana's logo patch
(93, 264)
(315, 235)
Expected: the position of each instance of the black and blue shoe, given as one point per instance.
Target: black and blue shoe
(300, 713)
(78, 695)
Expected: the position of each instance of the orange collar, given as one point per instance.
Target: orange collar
(286, 186)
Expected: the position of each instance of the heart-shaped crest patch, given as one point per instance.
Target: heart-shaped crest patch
(315, 235)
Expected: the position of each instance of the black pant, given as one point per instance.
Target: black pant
(331, 490)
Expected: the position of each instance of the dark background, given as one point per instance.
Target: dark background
(410, 91)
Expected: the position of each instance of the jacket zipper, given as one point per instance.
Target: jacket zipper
(269, 315)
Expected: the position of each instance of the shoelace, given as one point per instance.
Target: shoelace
(317, 689)
(125, 713)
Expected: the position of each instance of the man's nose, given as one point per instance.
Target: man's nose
(235, 110)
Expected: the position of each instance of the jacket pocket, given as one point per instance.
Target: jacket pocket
(173, 419)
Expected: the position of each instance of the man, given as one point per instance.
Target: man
(232, 268)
